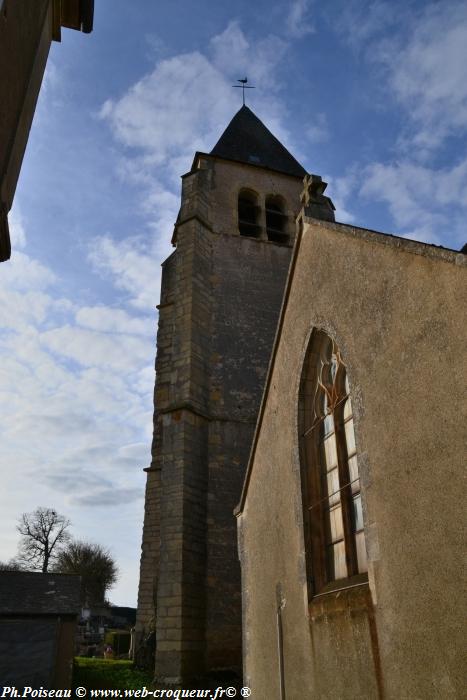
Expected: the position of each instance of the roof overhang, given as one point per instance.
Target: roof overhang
(5, 243)
(213, 156)
(73, 14)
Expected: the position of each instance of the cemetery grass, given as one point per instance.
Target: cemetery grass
(108, 674)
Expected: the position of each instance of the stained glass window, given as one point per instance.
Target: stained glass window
(331, 485)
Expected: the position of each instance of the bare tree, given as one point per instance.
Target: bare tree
(42, 533)
(94, 564)
(11, 565)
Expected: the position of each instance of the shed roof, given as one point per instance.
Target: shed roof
(247, 140)
(31, 593)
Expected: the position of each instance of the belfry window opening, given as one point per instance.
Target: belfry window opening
(276, 219)
(331, 485)
(248, 214)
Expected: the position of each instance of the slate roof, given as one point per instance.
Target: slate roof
(247, 140)
(30, 593)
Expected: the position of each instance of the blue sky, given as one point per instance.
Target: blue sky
(370, 95)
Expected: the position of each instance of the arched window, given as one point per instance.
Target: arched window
(276, 219)
(248, 214)
(330, 478)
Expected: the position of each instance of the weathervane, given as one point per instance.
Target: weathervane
(244, 86)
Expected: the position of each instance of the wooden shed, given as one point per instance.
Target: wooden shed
(38, 616)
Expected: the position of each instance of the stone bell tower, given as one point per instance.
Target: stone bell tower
(221, 293)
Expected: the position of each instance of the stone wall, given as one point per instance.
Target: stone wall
(221, 295)
(247, 293)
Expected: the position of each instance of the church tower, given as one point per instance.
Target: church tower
(221, 293)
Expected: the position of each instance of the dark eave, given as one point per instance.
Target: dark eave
(77, 14)
(201, 154)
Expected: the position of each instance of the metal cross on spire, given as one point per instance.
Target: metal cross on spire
(244, 86)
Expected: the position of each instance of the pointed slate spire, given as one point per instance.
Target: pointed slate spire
(247, 140)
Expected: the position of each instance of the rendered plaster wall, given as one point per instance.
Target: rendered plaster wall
(397, 311)
(220, 301)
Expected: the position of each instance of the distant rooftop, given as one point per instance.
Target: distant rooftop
(30, 593)
(247, 140)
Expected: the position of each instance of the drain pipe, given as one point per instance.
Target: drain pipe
(280, 605)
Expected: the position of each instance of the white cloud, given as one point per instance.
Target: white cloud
(134, 267)
(419, 54)
(75, 402)
(428, 74)
(165, 112)
(156, 45)
(22, 272)
(77, 378)
(231, 50)
(144, 382)
(340, 190)
(427, 204)
(52, 77)
(19, 310)
(111, 320)
(91, 490)
(93, 349)
(298, 22)
(16, 226)
(318, 131)
(395, 185)
(184, 104)
(136, 451)
(361, 22)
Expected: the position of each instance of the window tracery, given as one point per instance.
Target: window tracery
(331, 484)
